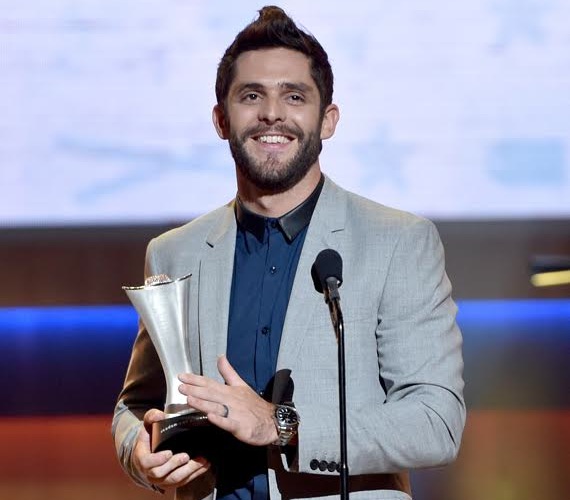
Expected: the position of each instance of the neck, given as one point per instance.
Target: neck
(270, 204)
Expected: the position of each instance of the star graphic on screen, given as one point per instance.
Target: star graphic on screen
(382, 159)
(519, 20)
(142, 164)
(519, 162)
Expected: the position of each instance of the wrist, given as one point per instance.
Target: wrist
(286, 419)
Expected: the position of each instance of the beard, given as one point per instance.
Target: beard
(271, 174)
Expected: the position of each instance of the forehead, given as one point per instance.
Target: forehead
(272, 67)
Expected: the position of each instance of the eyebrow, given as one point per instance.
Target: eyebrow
(300, 86)
(289, 86)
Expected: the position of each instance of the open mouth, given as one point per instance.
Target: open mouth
(273, 139)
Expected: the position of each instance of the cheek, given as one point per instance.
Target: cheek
(307, 124)
(239, 120)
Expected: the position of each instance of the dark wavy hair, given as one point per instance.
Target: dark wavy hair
(275, 29)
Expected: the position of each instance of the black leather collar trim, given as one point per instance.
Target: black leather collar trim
(291, 223)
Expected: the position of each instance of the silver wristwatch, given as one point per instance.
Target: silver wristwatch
(287, 422)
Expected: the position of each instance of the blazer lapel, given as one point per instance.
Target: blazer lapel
(215, 281)
(325, 231)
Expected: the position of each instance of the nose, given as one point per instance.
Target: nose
(272, 110)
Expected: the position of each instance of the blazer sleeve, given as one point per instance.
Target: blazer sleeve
(419, 417)
(144, 388)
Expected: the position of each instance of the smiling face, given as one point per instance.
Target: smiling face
(272, 119)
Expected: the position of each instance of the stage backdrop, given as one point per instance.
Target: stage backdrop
(449, 109)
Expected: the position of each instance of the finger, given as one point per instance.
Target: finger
(149, 461)
(225, 410)
(142, 447)
(193, 379)
(225, 423)
(159, 472)
(143, 438)
(151, 416)
(214, 393)
(208, 407)
(208, 392)
(186, 473)
(228, 373)
(143, 458)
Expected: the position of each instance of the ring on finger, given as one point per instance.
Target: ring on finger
(226, 411)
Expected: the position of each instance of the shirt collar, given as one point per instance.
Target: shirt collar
(291, 224)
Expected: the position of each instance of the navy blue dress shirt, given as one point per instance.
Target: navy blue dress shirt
(266, 257)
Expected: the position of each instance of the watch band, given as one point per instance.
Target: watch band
(286, 420)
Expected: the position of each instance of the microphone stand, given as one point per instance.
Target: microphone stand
(333, 300)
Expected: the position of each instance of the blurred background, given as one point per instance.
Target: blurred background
(458, 111)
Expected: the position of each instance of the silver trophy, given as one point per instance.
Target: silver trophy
(162, 304)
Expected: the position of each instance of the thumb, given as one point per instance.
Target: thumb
(150, 417)
(228, 373)
(144, 436)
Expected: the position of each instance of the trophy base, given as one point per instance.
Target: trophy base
(190, 433)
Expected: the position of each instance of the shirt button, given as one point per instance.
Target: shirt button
(272, 269)
(273, 223)
(265, 330)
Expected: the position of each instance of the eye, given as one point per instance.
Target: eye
(296, 98)
(251, 97)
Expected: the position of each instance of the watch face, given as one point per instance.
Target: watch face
(287, 415)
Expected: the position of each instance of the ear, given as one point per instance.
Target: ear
(220, 122)
(330, 119)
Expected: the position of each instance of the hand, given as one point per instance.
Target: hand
(163, 469)
(249, 417)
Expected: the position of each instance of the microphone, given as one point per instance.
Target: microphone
(327, 277)
(327, 274)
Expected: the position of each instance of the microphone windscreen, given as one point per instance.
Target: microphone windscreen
(328, 264)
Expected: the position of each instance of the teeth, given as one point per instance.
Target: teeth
(274, 139)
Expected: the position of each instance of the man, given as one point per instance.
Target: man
(255, 311)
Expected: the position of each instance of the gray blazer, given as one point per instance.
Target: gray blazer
(403, 348)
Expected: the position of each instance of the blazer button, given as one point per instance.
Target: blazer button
(323, 464)
(332, 466)
(314, 465)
